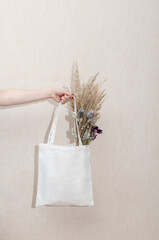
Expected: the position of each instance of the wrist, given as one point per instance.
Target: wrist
(48, 92)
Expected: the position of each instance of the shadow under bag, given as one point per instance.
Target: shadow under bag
(64, 171)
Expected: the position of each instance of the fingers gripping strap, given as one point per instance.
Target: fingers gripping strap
(54, 125)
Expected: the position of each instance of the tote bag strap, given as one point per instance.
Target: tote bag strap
(54, 125)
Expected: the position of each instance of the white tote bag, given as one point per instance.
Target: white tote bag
(64, 171)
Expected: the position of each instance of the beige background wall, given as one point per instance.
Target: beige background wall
(39, 40)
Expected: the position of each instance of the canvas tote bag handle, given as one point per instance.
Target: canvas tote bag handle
(54, 125)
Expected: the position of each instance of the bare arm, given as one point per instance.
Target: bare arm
(13, 96)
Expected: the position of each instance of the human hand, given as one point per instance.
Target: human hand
(61, 95)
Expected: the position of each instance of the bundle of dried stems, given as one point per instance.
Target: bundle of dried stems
(89, 97)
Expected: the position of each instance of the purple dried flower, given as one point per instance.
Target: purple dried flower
(99, 131)
(95, 128)
(94, 136)
(80, 113)
(90, 114)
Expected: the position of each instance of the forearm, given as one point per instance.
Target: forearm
(13, 96)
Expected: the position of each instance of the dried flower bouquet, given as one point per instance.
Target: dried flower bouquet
(89, 100)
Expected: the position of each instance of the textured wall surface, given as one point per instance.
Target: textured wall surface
(39, 41)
